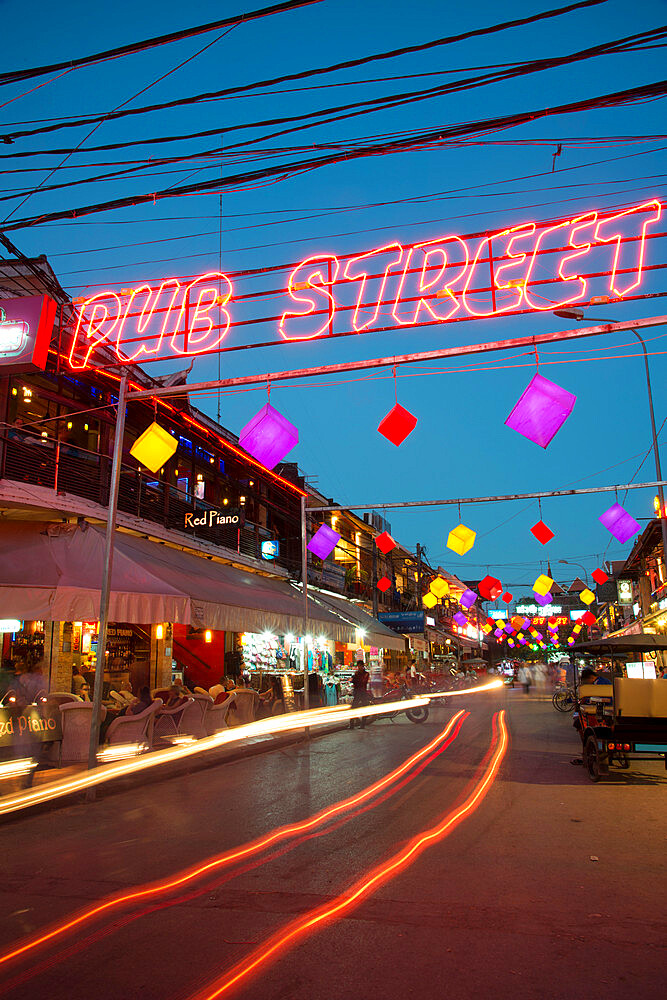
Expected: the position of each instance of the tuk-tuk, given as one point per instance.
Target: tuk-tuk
(627, 719)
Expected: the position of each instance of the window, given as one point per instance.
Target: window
(205, 456)
(185, 444)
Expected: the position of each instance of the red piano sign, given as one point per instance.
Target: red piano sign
(532, 267)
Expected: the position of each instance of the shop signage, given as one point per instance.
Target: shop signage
(419, 645)
(535, 267)
(26, 325)
(403, 621)
(557, 620)
(534, 609)
(624, 591)
(270, 549)
(27, 725)
(228, 516)
(10, 625)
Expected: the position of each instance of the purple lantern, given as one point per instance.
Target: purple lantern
(522, 641)
(621, 524)
(460, 619)
(324, 541)
(467, 598)
(269, 436)
(541, 410)
(526, 623)
(508, 629)
(498, 633)
(544, 599)
(539, 637)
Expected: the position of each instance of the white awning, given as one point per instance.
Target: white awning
(53, 572)
(374, 632)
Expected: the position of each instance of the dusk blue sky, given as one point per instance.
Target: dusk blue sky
(461, 446)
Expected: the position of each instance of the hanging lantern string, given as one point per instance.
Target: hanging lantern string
(268, 390)
(537, 357)
(539, 503)
(395, 387)
(459, 513)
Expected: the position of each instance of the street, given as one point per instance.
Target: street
(550, 887)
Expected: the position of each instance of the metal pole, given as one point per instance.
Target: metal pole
(304, 584)
(403, 359)
(619, 487)
(656, 453)
(107, 567)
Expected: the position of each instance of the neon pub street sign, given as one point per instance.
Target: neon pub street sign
(533, 267)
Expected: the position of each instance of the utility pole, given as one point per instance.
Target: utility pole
(419, 576)
(374, 577)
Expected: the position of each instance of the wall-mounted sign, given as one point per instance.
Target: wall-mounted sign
(228, 517)
(10, 625)
(22, 727)
(403, 621)
(25, 332)
(624, 591)
(533, 267)
(534, 609)
(270, 549)
(557, 620)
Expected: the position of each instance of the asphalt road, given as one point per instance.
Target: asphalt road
(552, 888)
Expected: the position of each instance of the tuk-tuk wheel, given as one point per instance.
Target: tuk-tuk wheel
(592, 759)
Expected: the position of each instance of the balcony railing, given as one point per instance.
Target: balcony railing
(65, 468)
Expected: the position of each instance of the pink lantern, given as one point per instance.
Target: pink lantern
(398, 423)
(324, 541)
(269, 436)
(541, 410)
(467, 598)
(619, 523)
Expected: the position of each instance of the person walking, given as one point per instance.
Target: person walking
(360, 686)
(525, 677)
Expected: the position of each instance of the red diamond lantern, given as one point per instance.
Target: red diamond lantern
(589, 618)
(398, 423)
(507, 597)
(542, 533)
(384, 584)
(490, 588)
(385, 542)
(599, 576)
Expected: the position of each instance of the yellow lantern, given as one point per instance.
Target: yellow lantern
(543, 585)
(587, 596)
(461, 539)
(440, 587)
(154, 447)
(429, 600)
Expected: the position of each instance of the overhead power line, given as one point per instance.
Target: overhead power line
(432, 138)
(13, 76)
(617, 46)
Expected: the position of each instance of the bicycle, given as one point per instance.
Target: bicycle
(563, 699)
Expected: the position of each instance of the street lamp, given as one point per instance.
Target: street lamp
(568, 562)
(578, 314)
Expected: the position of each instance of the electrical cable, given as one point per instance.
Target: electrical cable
(432, 138)
(12, 76)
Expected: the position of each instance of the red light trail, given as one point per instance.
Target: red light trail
(446, 737)
(348, 900)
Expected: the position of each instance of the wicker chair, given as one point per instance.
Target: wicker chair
(134, 728)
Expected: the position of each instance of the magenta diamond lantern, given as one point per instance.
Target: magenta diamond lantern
(541, 410)
(621, 524)
(498, 633)
(522, 641)
(467, 598)
(460, 619)
(324, 541)
(509, 629)
(269, 436)
(544, 599)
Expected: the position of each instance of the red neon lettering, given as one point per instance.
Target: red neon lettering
(513, 285)
(208, 339)
(354, 273)
(146, 316)
(305, 278)
(95, 328)
(434, 285)
(615, 233)
(581, 250)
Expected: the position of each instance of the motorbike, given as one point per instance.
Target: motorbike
(402, 693)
